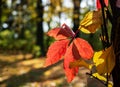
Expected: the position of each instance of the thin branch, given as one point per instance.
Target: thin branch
(104, 22)
(96, 78)
(106, 31)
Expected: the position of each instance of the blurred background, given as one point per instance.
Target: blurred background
(23, 23)
(24, 43)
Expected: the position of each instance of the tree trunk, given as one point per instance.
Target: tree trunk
(76, 14)
(116, 42)
(39, 31)
(0, 14)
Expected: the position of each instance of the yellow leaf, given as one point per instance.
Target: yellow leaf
(80, 63)
(104, 60)
(96, 58)
(100, 77)
(103, 78)
(110, 84)
(91, 21)
(109, 61)
(85, 30)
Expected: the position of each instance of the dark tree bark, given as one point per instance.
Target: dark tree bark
(0, 14)
(116, 42)
(39, 31)
(76, 14)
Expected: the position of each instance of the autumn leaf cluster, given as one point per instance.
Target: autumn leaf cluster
(76, 52)
(71, 50)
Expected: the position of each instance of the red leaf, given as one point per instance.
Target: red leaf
(56, 51)
(70, 56)
(99, 5)
(61, 33)
(84, 48)
(54, 33)
(68, 30)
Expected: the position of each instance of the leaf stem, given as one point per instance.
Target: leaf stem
(77, 31)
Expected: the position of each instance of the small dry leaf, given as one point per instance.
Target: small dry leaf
(91, 21)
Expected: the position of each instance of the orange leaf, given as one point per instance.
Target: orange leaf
(54, 33)
(99, 5)
(56, 51)
(80, 63)
(84, 48)
(61, 33)
(70, 57)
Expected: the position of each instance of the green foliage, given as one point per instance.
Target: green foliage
(92, 39)
(6, 38)
(8, 42)
(36, 50)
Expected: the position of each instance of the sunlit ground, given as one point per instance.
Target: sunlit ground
(26, 71)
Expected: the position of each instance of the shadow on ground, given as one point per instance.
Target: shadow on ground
(25, 71)
(34, 75)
